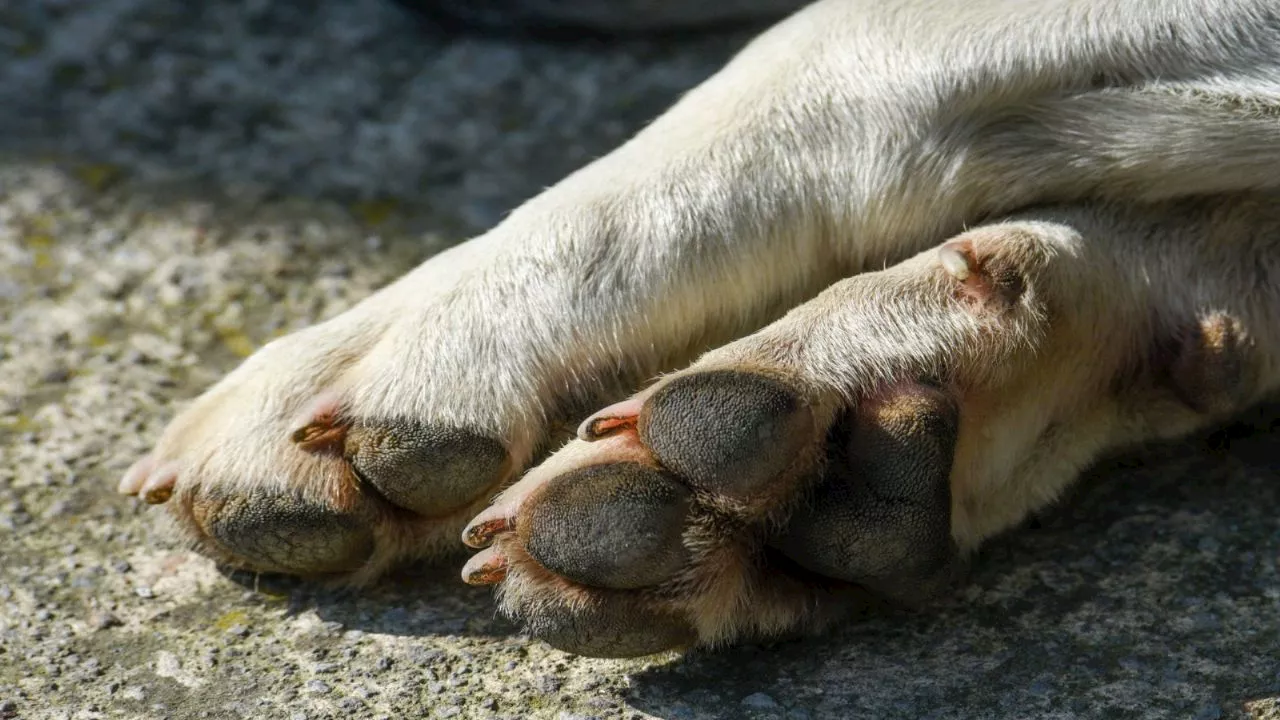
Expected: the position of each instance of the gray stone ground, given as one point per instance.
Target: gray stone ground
(181, 181)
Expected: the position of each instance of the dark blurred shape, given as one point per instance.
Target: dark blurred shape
(568, 18)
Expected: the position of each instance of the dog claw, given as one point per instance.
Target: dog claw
(615, 418)
(956, 262)
(487, 567)
(320, 436)
(159, 486)
(136, 475)
(480, 532)
(323, 429)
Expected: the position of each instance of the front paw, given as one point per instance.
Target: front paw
(728, 506)
(276, 469)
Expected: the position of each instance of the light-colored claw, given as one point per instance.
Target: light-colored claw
(481, 531)
(136, 475)
(322, 428)
(487, 567)
(159, 486)
(956, 262)
(615, 418)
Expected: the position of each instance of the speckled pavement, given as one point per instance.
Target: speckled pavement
(180, 182)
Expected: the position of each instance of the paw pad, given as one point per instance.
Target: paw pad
(425, 468)
(610, 526)
(662, 530)
(727, 432)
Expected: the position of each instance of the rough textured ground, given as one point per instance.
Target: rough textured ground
(181, 181)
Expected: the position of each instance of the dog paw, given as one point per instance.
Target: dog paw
(364, 441)
(724, 486)
(284, 467)
(860, 446)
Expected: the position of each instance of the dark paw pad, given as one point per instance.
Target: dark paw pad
(726, 432)
(615, 526)
(279, 532)
(881, 517)
(428, 469)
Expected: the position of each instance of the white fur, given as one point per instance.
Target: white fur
(851, 136)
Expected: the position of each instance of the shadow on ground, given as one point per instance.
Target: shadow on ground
(1135, 597)
(429, 599)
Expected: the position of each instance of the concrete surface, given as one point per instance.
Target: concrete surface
(180, 181)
